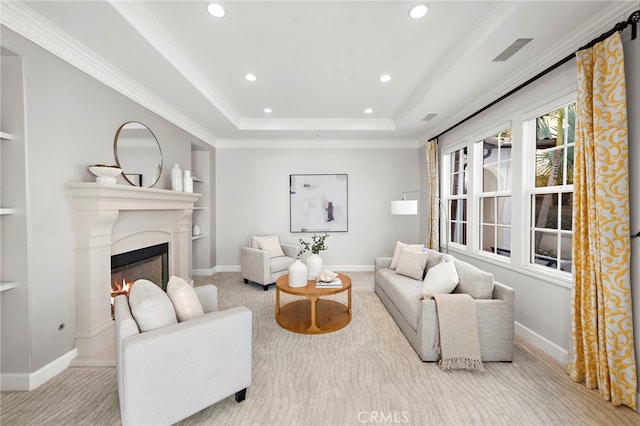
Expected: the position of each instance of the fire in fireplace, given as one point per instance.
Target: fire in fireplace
(150, 263)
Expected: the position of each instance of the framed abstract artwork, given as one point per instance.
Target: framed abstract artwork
(318, 203)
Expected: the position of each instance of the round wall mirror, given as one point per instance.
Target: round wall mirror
(138, 154)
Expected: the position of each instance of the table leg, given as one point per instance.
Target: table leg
(349, 302)
(277, 300)
(313, 300)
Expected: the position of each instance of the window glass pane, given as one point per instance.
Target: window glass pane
(504, 176)
(490, 178)
(566, 215)
(489, 151)
(546, 211)
(504, 241)
(504, 210)
(570, 158)
(459, 232)
(566, 245)
(545, 249)
(458, 184)
(458, 210)
(488, 238)
(505, 143)
(488, 210)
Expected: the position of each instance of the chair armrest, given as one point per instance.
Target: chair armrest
(256, 264)
(503, 292)
(208, 295)
(291, 250)
(186, 366)
(381, 262)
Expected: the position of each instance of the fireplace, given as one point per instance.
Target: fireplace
(111, 220)
(150, 263)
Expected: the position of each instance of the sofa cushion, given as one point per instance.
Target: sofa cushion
(473, 281)
(412, 263)
(279, 264)
(150, 306)
(405, 293)
(441, 279)
(398, 249)
(184, 299)
(271, 245)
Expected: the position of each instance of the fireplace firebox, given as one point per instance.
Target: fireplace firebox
(150, 263)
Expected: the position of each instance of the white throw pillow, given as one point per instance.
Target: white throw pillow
(150, 306)
(398, 249)
(271, 245)
(441, 279)
(412, 263)
(184, 298)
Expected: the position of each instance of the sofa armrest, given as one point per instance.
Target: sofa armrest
(186, 366)
(291, 250)
(208, 295)
(256, 264)
(381, 262)
(503, 292)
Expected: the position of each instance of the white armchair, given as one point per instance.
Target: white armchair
(264, 265)
(172, 372)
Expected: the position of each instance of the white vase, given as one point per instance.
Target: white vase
(187, 181)
(314, 266)
(297, 274)
(176, 178)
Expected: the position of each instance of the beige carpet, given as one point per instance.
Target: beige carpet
(366, 373)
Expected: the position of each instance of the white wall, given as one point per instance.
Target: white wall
(71, 120)
(543, 303)
(253, 199)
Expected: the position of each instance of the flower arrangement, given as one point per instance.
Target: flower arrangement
(317, 244)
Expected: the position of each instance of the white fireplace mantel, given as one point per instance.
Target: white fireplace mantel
(110, 219)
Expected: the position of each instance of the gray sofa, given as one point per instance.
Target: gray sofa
(401, 295)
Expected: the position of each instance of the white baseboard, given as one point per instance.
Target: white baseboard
(203, 272)
(30, 381)
(545, 345)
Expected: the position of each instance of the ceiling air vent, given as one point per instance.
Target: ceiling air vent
(429, 116)
(512, 50)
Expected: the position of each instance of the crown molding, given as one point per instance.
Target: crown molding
(325, 144)
(34, 27)
(317, 124)
(150, 29)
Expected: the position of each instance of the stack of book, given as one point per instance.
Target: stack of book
(335, 283)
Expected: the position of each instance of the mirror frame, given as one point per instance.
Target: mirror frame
(115, 152)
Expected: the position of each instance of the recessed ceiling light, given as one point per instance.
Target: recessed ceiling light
(418, 11)
(385, 77)
(216, 10)
(250, 77)
(268, 110)
(368, 111)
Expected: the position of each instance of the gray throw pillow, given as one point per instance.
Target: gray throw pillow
(474, 281)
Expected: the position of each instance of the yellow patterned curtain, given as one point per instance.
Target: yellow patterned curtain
(433, 186)
(602, 347)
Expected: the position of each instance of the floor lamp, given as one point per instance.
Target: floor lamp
(410, 207)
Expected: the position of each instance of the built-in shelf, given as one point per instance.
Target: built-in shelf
(197, 237)
(6, 136)
(198, 208)
(7, 285)
(4, 211)
(197, 179)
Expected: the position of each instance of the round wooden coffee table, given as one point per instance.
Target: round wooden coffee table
(313, 315)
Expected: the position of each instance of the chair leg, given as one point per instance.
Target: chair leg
(246, 281)
(265, 288)
(240, 395)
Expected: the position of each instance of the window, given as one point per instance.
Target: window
(458, 196)
(552, 193)
(495, 195)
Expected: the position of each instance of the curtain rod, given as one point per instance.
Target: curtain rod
(632, 20)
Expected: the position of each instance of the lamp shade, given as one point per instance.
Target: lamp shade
(404, 207)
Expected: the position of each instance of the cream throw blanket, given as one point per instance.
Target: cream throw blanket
(456, 338)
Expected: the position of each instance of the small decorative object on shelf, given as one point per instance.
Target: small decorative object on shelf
(176, 178)
(104, 173)
(187, 181)
(314, 262)
(297, 274)
(196, 230)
